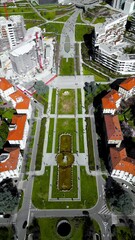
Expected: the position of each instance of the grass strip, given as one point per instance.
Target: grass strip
(50, 136)
(90, 145)
(40, 144)
(53, 102)
(67, 67)
(79, 97)
(81, 136)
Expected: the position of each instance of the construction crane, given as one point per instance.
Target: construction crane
(5, 7)
(38, 50)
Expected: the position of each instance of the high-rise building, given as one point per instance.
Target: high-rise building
(12, 32)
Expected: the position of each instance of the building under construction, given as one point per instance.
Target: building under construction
(29, 55)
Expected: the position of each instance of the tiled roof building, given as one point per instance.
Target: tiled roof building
(10, 163)
(111, 102)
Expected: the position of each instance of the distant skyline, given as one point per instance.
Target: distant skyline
(47, 1)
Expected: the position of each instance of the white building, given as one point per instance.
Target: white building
(18, 131)
(123, 167)
(21, 103)
(127, 88)
(10, 163)
(128, 6)
(6, 88)
(108, 45)
(29, 55)
(12, 32)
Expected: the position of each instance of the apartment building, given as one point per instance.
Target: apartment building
(109, 45)
(21, 103)
(111, 102)
(18, 130)
(6, 88)
(28, 55)
(113, 130)
(127, 88)
(10, 163)
(12, 32)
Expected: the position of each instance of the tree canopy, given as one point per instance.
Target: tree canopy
(41, 88)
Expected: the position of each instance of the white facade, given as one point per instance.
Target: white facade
(128, 6)
(5, 94)
(12, 173)
(127, 93)
(108, 45)
(11, 32)
(28, 111)
(21, 142)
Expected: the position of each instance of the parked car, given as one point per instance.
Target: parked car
(24, 224)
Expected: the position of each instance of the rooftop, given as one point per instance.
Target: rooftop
(5, 84)
(120, 160)
(10, 163)
(109, 101)
(22, 101)
(18, 132)
(113, 127)
(128, 84)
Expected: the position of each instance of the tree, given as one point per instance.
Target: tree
(9, 196)
(41, 88)
(118, 198)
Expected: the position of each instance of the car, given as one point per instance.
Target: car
(7, 215)
(35, 101)
(97, 167)
(24, 224)
(85, 212)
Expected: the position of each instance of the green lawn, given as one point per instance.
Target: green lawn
(67, 67)
(40, 192)
(53, 102)
(77, 59)
(123, 233)
(65, 126)
(66, 101)
(79, 97)
(33, 128)
(50, 136)
(90, 145)
(79, 20)
(43, 99)
(67, 194)
(81, 136)
(48, 228)
(81, 30)
(100, 20)
(6, 233)
(97, 75)
(54, 28)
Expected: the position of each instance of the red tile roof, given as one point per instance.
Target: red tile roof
(22, 101)
(12, 160)
(128, 84)
(113, 127)
(5, 84)
(17, 133)
(120, 160)
(109, 101)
